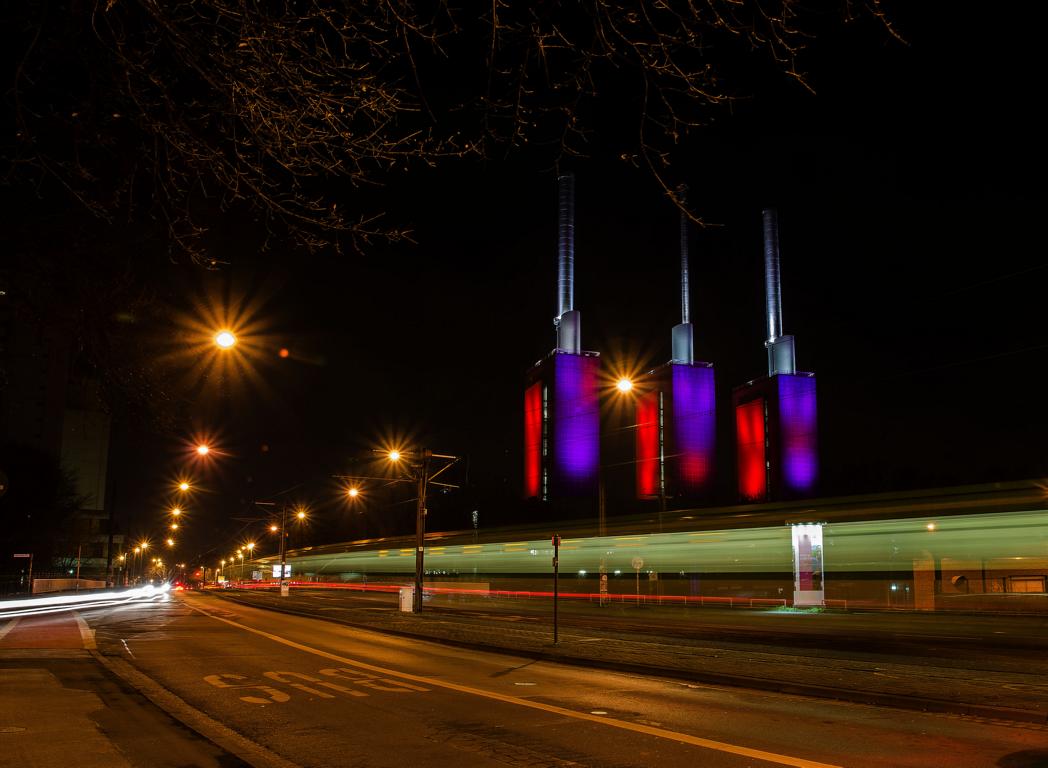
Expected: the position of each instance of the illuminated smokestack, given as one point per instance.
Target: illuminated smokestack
(568, 321)
(776, 430)
(780, 348)
(683, 335)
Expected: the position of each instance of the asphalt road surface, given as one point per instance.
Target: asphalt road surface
(314, 693)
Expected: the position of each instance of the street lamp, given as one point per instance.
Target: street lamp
(624, 384)
(418, 472)
(225, 339)
(203, 450)
(143, 546)
(250, 547)
(300, 515)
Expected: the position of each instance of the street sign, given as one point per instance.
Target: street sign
(556, 578)
(638, 563)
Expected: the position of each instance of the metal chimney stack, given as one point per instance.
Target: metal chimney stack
(568, 321)
(780, 348)
(683, 335)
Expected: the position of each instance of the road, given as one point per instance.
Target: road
(314, 693)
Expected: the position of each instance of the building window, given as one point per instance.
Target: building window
(1026, 584)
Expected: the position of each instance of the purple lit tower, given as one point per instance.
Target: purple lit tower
(676, 419)
(561, 409)
(775, 416)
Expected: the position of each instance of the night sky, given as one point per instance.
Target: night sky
(911, 201)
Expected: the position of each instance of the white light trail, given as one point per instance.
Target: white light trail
(40, 605)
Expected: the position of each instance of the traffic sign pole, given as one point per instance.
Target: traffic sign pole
(556, 577)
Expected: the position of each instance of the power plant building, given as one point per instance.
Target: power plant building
(561, 398)
(776, 416)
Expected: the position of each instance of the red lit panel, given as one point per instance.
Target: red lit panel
(533, 440)
(749, 437)
(648, 444)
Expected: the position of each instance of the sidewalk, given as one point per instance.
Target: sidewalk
(994, 690)
(59, 705)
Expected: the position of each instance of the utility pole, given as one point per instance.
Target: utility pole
(556, 583)
(284, 586)
(420, 529)
(415, 468)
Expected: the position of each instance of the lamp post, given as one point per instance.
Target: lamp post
(250, 546)
(301, 515)
(419, 472)
(143, 547)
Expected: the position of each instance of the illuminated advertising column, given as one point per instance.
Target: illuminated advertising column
(808, 584)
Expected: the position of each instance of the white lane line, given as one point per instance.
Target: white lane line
(86, 633)
(770, 757)
(8, 627)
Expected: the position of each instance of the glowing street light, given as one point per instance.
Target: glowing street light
(174, 526)
(281, 531)
(353, 493)
(176, 511)
(418, 471)
(225, 339)
(203, 450)
(171, 542)
(624, 385)
(183, 486)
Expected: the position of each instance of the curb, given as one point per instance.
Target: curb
(870, 698)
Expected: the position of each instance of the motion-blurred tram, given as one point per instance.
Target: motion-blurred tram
(981, 548)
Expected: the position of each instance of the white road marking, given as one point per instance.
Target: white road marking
(86, 633)
(663, 733)
(8, 627)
